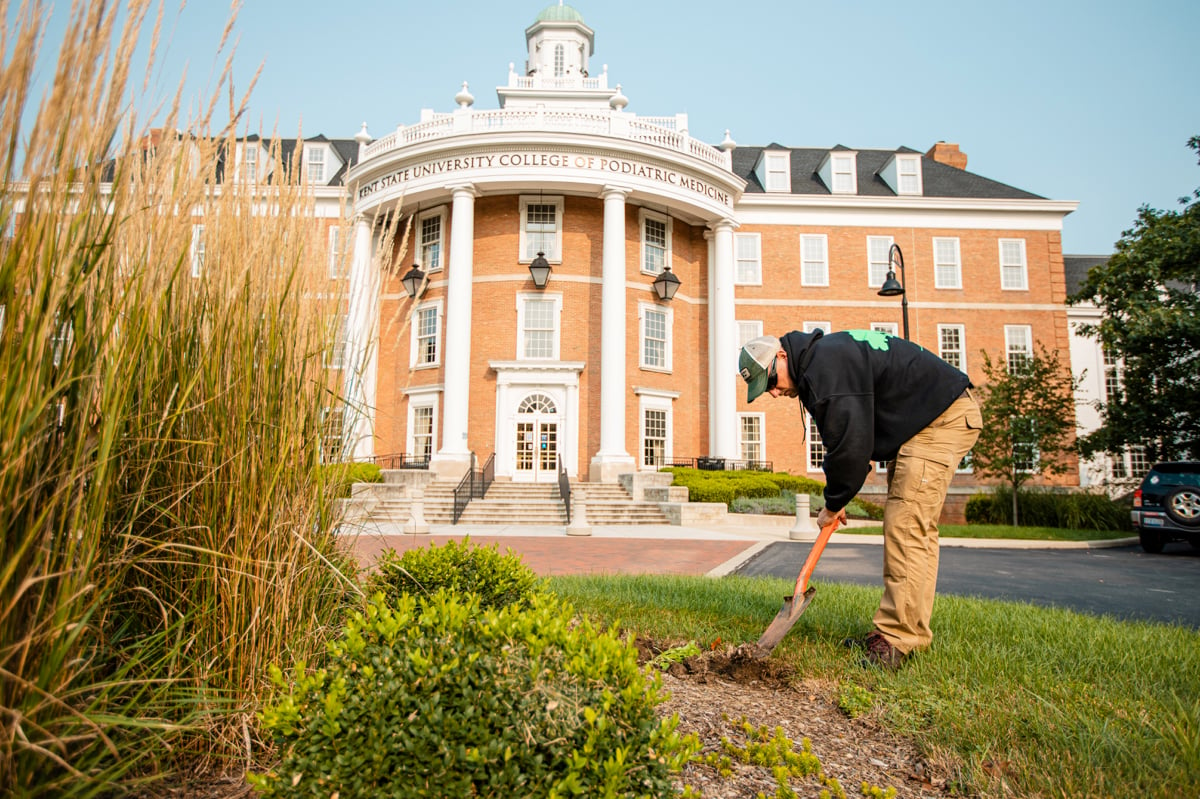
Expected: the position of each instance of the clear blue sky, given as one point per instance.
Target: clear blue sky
(1088, 101)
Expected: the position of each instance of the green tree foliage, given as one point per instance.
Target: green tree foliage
(1151, 323)
(1028, 419)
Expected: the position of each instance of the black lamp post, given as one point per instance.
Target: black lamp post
(539, 270)
(413, 280)
(891, 288)
(666, 284)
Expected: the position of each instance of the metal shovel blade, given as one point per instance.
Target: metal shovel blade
(784, 620)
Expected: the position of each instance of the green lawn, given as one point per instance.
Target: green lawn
(1030, 702)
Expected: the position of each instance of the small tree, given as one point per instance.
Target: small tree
(1028, 419)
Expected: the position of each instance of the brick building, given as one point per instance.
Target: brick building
(593, 366)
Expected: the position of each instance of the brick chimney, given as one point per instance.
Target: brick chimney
(948, 154)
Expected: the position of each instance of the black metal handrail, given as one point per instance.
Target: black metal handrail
(398, 460)
(487, 475)
(709, 463)
(473, 485)
(564, 487)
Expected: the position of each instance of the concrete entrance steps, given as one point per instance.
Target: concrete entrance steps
(516, 503)
(611, 504)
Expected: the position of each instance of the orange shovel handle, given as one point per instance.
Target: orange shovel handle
(814, 555)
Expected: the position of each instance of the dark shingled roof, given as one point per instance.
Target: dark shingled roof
(938, 180)
(1076, 268)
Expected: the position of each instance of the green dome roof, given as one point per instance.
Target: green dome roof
(559, 13)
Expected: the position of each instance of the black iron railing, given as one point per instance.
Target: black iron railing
(564, 487)
(710, 463)
(473, 485)
(399, 460)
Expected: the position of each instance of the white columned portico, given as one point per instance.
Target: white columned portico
(360, 358)
(612, 460)
(723, 355)
(454, 458)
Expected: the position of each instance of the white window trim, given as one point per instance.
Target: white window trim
(414, 335)
(890, 241)
(937, 276)
(199, 249)
(810, 435)
(777, 166)
(962, 343)
(335, 358)
(522, 297)
(422, 398)
(246, 149)
(649, 400)
(824, 239)
(1024, 265)
(762, 430)
(891, 328)
(309, 151)
(1008, 338)
(643, 215)
(643, 308)
(420, 220)
(914, 164)
(534, 199)
(834, 172)
(811, 327)
(753, 326)
(339, 268)
(758, 259)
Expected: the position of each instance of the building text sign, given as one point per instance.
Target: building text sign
(602, 165)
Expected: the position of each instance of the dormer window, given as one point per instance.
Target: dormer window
(908, 174)
(842, 168)
(314, 159)
(250, 163)
(774, 171)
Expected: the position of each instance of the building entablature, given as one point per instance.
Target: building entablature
(582, 164)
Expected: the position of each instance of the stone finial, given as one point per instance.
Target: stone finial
(727, 143)
(618, 101)
(464, 98)
(362, 137)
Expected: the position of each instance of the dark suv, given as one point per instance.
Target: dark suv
(1166, 506)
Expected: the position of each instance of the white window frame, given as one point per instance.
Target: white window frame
(874, 262)
(947, 271)
(842, 171)
(529, 296)
(1014, 274)
(560, 60)
(649, 400)
(198, 249)
(908, 169)
(1013, 345)
(762, 434)
(891, 328)
(747, 330)
(644, 310)
(418, 400)
(423, 247)
(314, 163)
(249, 163)
(335, 356)
(525, 255)
(416, 335)
(645, 216)
(962, 345)
(338, 412)
(812, 327)
(811, 442)
(814, 272)
(753, 265)
(337, 254)
(777, 172)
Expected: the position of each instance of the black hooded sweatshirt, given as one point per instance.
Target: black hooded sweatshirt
(868, 392)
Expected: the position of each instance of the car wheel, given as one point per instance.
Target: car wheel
(1183, 506)
(1152, 542)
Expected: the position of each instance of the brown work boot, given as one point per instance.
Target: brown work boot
(880, 653)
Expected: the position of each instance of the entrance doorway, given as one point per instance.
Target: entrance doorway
(536, 440)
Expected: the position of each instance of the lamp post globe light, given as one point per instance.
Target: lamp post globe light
(891, 288)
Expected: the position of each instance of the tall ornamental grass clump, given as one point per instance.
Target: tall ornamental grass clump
(1076, 510)
(167, 533)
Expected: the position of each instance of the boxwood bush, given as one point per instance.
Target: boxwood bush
(498, 580)
(347, 474)
(1076, 510)
(437, 696)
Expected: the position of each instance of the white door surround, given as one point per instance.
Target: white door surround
(516, 384)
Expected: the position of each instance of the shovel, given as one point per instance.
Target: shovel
(795, 604)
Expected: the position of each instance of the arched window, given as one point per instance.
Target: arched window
(537, 403)
(559, 61)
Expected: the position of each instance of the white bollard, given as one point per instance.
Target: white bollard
(805, 529)
(417, 523)
(578, 524)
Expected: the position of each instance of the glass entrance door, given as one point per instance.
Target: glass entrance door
(536, 440)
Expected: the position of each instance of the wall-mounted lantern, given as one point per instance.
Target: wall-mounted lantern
(539, 270)
(666, 284)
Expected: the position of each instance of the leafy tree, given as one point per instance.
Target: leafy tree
(1028, 419)
(1151, 323)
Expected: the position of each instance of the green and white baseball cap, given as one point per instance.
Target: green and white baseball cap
(754, 362)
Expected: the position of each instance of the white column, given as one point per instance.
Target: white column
(454, 458)
(722, 358)
(362, 345)
(612, 460)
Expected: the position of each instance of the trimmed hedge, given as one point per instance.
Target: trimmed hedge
(498, 580)
(347, 474)
(1076, 510)
(438, 697)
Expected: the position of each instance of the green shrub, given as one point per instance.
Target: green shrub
(345, 475)
(796, 484)
(498, 580)
(438, 697)
(1076, 510)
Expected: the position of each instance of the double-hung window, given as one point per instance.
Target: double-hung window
(751, 444)
(816, 447)
(654, 436)
(426, 334)
(947, 267)
(430, 228)
(885, 327)
(908, 174)
(777, 170)
(1013, 273)
(842, 167)
(748, 330)
(420, 430)
(878, 252)
(814, 260)
(951, 347)
(747, 253)
(541, 228)
(656, 242)
(333, 434)
(335, 357)
(197, 253)
(314, 159)
(538, 324)
(337, 254)
(655, 344)
(1018, 346)
(250, 163)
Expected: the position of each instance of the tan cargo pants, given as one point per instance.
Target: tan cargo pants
(918, 481)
